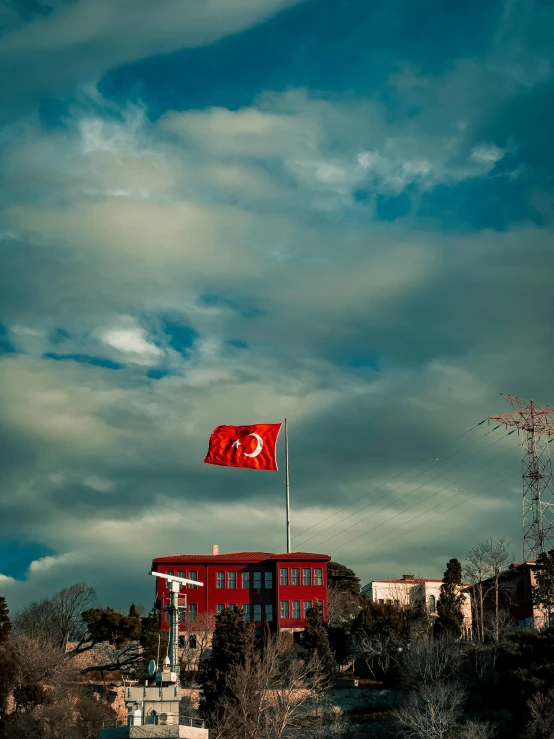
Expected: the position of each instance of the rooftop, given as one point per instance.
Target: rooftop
(243, 557)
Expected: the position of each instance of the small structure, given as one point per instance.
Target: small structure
(153, 708)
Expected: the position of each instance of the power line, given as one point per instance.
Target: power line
(397, 476)
(494, 472)
(444, 512)
(444, 472)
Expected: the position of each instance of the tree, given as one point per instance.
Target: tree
(232, 645)
(543, 591)
(134, 611)
(450, 617)
(270, 696)
(58, 618)
(315, 640)
(497, 558)
(432, 711)
(343, 578)
(476, 569)
(5, 621)
(91, 716)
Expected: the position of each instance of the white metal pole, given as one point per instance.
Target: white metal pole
(287, 486)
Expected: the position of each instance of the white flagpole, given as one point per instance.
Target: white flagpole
(287, 486)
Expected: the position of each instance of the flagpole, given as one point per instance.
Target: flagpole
(287, 486)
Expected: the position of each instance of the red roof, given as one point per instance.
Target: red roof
(243, 557)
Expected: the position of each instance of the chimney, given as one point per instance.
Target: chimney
(407, 577)
(215, 549)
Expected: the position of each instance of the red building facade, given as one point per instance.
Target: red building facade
(284, 586)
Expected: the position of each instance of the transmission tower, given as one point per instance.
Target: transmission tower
(536, 426)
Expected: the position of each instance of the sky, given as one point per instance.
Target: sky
(237, 211)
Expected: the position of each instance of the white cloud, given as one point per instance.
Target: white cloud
(80, 41)
(133, 344)
(45, 564)
(487, 154)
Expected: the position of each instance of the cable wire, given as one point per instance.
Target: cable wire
(444, 472)
(398, 475)
(478, 482)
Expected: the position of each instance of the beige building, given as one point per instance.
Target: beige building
(409, 590)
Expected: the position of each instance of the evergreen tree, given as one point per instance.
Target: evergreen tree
(265, 636)
(232, 645)
(341, 577)
(134, 611)
(450, 617)
(5, 621)
(543, 591)
(315, 640)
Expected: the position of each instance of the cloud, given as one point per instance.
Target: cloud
(133, 344)
(79, 41)
(313, 255)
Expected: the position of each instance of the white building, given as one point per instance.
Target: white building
(409, 590)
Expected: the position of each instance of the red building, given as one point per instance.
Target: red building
(284, 586)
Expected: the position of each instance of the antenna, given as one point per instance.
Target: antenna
(173, 578)
(174, 584)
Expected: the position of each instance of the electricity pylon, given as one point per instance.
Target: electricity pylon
(537, 428)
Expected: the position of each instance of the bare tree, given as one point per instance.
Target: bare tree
(476, 571)
(271, 696)
(57, 619)
(541, 721)
(342, 606)
(497, 558)
(476, 730)
(378, 652)
(432, 711)
(430, 660)
(196, 641)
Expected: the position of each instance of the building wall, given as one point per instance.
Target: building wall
(267, 591)
(409, 591)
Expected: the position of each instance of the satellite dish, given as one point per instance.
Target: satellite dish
(152, 666)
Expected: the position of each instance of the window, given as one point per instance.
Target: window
(231, 579)
(269, 612)
(193, 575)
(193, 642)
(193, 611)
(246, 609)
(296, 609)
(284, 609)
(295, 576)
(432, 604)
(257, 612)
(220, 607)
(182, 574)
(246, 580)
(232, 606)
(182, 616)
(306, 576)
(284, 580)
(220, 579)
(318, 576)
(170, 572)
(268, 580)
(381, 601)
(389, 602)
(307, 606)
(257, 579)
(181, 642)
(397, 604)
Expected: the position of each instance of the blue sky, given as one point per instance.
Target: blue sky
(339, 212)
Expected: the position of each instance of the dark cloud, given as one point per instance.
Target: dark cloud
(369, 256)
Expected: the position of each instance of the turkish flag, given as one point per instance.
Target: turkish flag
(252, 447)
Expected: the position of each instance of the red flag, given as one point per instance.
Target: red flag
(253, 447)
